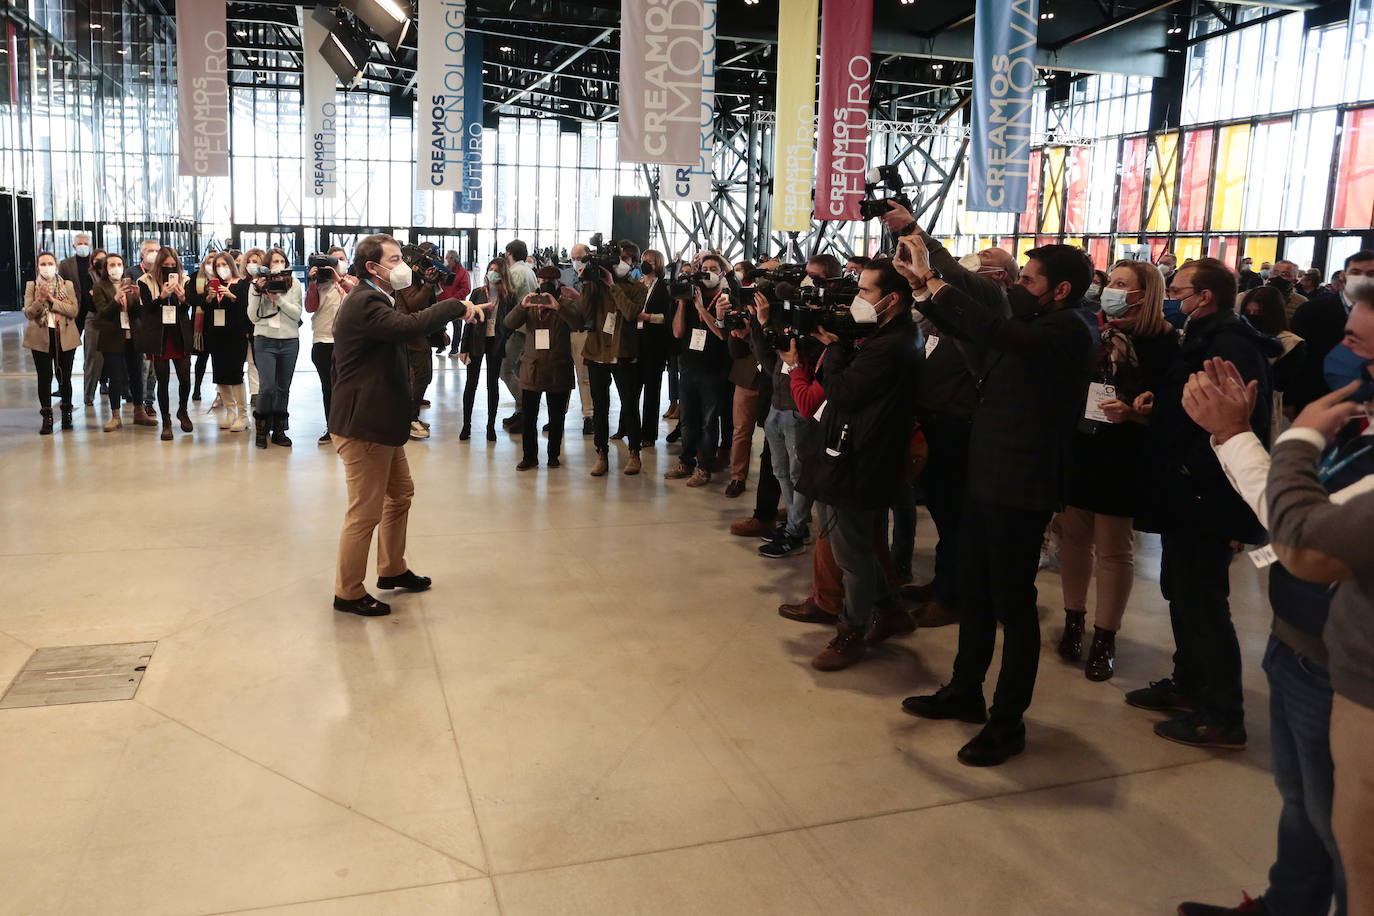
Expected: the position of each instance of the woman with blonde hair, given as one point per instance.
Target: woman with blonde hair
(1096, 528)
(51, 305)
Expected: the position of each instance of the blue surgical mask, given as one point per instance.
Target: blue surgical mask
(1114, 304)
(1343, 366)
(1173, 312)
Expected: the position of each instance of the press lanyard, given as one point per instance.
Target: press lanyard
(1328, 469)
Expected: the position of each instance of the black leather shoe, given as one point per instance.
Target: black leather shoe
(947, 703)
(587, 428)
(997, 743)
(366, 606)
(407, 580)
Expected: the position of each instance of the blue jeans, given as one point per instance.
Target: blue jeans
(850, 535)
(1306, 873)
(788, 434)
(698, 408)
(276, 361)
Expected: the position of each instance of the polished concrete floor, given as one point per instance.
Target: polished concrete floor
(596, 710)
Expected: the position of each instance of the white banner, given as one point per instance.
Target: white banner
(661, 76)
(321, 114)
(694, 183)
(439, 94)
(202, 90)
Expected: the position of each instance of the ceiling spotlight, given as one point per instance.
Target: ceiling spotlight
(346, 51)
(1047, 15)
(242, 33)
(756, 2)
(1049, 75)
(96, 27)
(936, 67)
(144, 73)
(121, 51)
(390, 19)
(507, 49)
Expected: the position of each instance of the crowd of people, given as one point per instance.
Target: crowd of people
(1023, 404)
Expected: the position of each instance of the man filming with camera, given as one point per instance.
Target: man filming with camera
(370, 419)
(857, 454)
(1034, 387)
(329, 283)
(410, 301)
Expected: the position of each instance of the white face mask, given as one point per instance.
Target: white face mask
(578, 264)
(622, 270)
(971, 262)
(1114, 304)
(117, 272)
(149, 258)
(399, 277)
(1094, 292)
(739, 275)
(862, 311)
(224, 272)
(47, 271)
(493, 277)
(713, 280)
(83, 251)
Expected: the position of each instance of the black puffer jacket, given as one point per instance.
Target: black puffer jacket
(1185, 487)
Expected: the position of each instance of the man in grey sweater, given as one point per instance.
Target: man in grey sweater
(1323, 542)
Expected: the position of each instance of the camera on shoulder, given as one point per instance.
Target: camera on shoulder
(422, 258)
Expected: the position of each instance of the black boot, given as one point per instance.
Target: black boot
(67, 417)
(46, 428)
(260, 429)
(279, 427)
(1071, 643)
(465, 433)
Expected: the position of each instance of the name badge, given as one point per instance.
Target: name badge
(819, 410)
(698, 340)
(1097, 393)
(124, 320)
(541, 338)
(931, 343)
(220, 316)
(608, 327)
(491, 325)
(169, 314)
(1264, 556)
(274, 321)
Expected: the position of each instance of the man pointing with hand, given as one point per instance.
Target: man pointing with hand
(370, 419)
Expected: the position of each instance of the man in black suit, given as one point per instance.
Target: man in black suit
(1034, 386)
(1321, 322)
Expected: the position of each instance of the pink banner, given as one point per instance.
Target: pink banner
(842, 129)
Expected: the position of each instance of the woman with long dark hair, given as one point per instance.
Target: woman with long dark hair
(162, 331)
(276, 317)
(116, 300)
(227, 335)
(486, 341)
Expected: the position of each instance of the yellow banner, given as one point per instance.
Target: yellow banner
(794, 143)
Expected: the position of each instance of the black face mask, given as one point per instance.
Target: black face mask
(1280, 284)
(646, 268)
(1023, 302)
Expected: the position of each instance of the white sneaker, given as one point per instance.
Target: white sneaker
(417, 431)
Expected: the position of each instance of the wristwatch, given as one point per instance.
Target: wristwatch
(720, 324)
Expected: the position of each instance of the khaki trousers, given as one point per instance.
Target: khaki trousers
(379, 492)
(1108, 541)
(1352, 810)
(745, 415)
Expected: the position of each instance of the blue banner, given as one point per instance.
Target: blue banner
(1003, 76)
(469, 199)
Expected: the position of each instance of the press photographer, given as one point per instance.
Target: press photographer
(274, 306)
(701, 299)
(546, 367)
(329, 282)
(410, 301)
(1032, 396)
(857, 455)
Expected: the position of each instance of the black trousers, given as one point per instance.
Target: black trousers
(945, 481)
(999, 556)
(1194, 576)
(322, 355)
(202, 359)
(162, 367)
(46, 364)
(125, 370)
(726, 415)
(492, 356)
(529, 413)
(651, 368)
(625, 374)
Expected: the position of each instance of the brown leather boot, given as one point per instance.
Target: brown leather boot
(634, 465)
(1101, 656)
(753, 527)
(602, 465)
(166, 431)
(1071, 643)
(844, 650)
(806, 612)
(888, 622)
(934, 614)
(142, 417)
(185, 419)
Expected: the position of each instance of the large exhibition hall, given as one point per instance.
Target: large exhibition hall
(687, 457)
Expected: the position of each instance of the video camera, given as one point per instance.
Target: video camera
(801, 311)
(425, 257)
(321, 262)
(683, 287)
(882, 178)
(274, 281)
(601, 254)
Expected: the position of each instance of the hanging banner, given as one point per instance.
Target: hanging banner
(321, 114)
(202, 90)
(469, 200)
(842, 128)
(694, 182)
(795, 131)
(661, 81)
(1003, 74)
(439, 89)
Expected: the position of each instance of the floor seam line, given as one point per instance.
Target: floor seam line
(390, 890)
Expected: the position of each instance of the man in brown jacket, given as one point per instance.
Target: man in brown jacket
(369, 418)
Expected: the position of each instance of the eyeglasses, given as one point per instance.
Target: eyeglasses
(1176, 291)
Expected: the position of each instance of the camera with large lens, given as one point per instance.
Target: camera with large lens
(320, 263)
(801, 311)
(601, 254)
(884, 178)
(424, 257)
(683, 287)
(274, 281)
